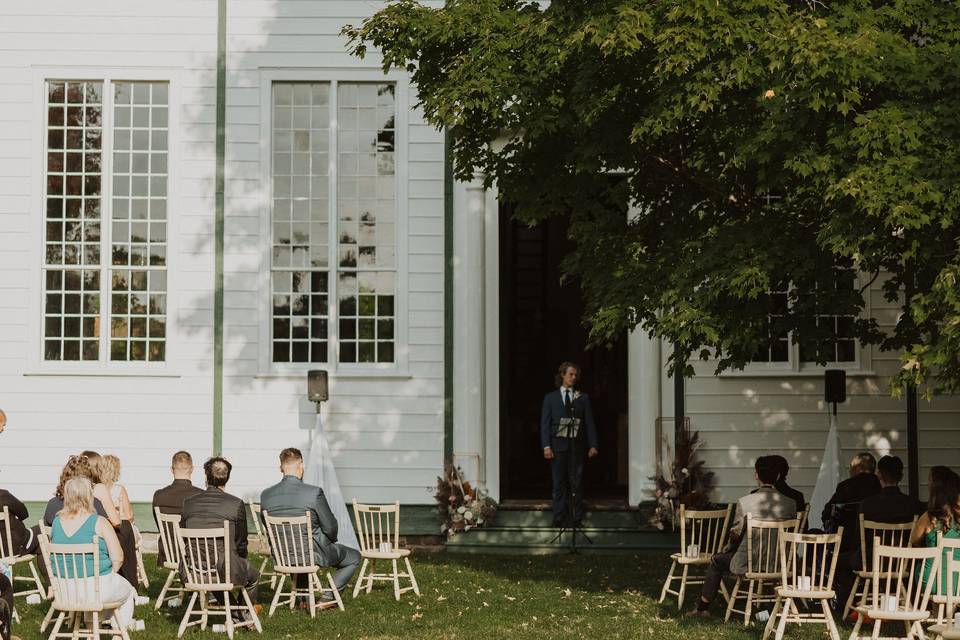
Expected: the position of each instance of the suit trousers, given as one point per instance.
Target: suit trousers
(719, 565)
(567, 471)
(343, 570)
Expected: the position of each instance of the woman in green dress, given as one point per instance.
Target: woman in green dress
(941, 519)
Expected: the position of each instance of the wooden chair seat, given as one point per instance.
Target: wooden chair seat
(892, 615)
(945, 631)
(811, 594)
(708, 531)
(386, 555)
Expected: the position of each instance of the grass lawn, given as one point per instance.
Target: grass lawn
(482, 597)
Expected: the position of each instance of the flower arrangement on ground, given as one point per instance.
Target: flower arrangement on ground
(686, 482)
(461, 506)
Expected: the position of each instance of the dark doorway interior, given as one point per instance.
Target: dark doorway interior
(540, 326)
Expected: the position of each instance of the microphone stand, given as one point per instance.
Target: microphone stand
(573, 527)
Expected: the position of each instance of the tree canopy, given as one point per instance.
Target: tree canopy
(762, 145)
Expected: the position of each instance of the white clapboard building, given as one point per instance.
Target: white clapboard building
(346, 246)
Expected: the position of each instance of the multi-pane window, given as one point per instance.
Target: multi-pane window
(777, 348)
(838, 344)
(79, 169)
(312, 141)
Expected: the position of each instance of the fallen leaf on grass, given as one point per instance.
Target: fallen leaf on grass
(442, 599)
(416, 616)
(567, 593)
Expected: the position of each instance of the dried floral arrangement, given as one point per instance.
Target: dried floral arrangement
(461, 506)
(686, 482)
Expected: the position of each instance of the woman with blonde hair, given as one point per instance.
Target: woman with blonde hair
(109, 472)
(78, 523)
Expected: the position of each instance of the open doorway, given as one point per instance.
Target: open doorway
(540, 326)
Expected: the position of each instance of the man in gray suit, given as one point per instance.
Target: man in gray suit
(292, 497)
(763, 503)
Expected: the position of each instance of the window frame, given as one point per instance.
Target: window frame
(38, 152)
(400, 366)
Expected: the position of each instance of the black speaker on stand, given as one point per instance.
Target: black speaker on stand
(834, 387)
(317, 388)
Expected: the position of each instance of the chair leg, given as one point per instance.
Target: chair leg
(748, 606)
(772, 619)
(46, 619)
(667, 582)
(396, 580)
(37, 580)
(276, 597)
(413, 578)
(876, 630)
(782, 626)
(253, 612)
(373, 571)
(163, 591)
(228, 614)
(56, 625)
(831, 623)
(848, 606)
(359, 582)
(683, 587)
(335, 591)
(732, 601)
(186, 614)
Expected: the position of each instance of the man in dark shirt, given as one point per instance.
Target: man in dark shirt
(208, 509)
(170, 498)
(890, 504)
(24, 540)
(783, 468)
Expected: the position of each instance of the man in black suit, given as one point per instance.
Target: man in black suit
(208, 509)
(293, 497)
(890, 505)
(24, 539)
(170, 498)
(783, 468)
(843, 511)
(566, 453)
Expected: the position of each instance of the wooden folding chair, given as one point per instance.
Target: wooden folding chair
(947, 627)
(763, 564)
(897, 594)
(291, 543)
(142, 577)
(205, 553)
(167, 524)
(891, 535)
(944, 593)
(378, 529)
(76, 591)
(263, 541)
(12, 560)
(707, 530)
(807, 567)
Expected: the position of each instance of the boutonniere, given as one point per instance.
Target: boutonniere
(576, 395)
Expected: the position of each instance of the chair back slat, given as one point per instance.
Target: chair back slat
(291, 541)
(377, 523)
(706, 529)
(167, 525)
(804, 516)
(205, 557)
(948, 581)
(808, 562)
(74, 573)
(890, 535)
(6, 537)
(896, 579)
(763, 545)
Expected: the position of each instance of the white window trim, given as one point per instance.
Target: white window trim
(861, 366)
(400, 367)
(37, 365)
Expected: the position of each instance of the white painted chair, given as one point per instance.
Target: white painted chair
(378, 530)
(896, 594)
(142, 577)
(890, 535)
(947, 627)
(946, 598)
(172, 587)
(807, 567)
(204, 554)
(762, 538)
(76, 591)
(291, 545)
(263, 541)
(707, 531)
(11, 559)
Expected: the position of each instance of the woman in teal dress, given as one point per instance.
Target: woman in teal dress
(941, 519)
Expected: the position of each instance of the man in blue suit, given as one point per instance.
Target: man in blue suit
(566, 453)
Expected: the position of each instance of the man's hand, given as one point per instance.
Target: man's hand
(592, 452)
(548, 453)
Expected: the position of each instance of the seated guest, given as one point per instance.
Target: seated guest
(842, 508)
(77, 523)
(208, 509)
(76, 467)
(763, 503)
(293, 497)
(783, 468)
(25, 540)
(6, 606)
(170, 498)
(942, 518)
(109, 470)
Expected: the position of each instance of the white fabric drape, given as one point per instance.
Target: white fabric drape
(829, 476)
(321, 472)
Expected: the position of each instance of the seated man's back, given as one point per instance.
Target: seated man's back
(763, 503)
(293, 497)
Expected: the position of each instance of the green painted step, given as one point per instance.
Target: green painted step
(527, 518)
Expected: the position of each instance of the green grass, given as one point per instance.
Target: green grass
(483, 597)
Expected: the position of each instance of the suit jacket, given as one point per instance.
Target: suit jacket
(891, 505)
(293, 497)
(170, 500)
(207, 510)
(844, 505)
(792, 493)
(764, 503)
(553, 410)
(19, 534)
